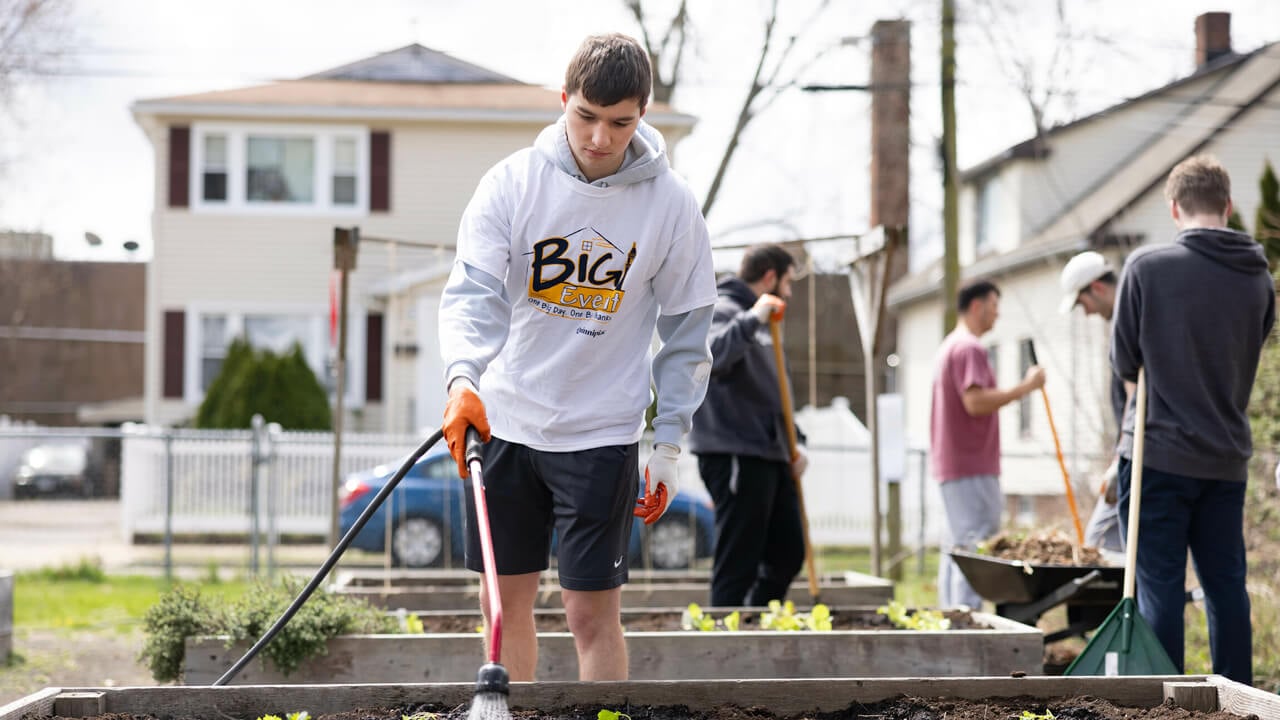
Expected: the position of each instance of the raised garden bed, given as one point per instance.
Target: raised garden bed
(1075, 698)
(992, 645)
(451, 592)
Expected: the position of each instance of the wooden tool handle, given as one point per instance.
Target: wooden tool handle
(788, 419)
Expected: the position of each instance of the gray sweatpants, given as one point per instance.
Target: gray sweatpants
(974, 506)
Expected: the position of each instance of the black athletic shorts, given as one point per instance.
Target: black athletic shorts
(587, 496)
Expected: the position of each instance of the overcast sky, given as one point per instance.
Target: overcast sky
(74, 160)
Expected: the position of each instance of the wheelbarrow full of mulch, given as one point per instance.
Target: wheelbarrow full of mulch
(1024, 590)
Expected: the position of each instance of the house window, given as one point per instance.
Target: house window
(984, 214)
(993, 357)
(213, 347)
(1024, 402)
(344, 171)
(214, 179)
(274, 331)
(280, 169)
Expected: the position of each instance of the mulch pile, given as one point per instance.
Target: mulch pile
(1041, 548)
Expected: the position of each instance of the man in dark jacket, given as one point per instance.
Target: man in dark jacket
(741, 442)
(1194, 313)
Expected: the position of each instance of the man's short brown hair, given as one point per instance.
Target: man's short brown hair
(1199, 185)
(608, 69)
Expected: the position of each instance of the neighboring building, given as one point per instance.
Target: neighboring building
(1096, 183)
(251, 182)
(26, 245)
(71, 340)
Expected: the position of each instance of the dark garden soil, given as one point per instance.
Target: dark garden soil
(905, 708)
(1043, 548)
(670, 622)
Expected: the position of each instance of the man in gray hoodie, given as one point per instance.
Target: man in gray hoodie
(1194, 313)
(741, 442)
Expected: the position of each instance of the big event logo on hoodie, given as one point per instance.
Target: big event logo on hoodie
(578, 276)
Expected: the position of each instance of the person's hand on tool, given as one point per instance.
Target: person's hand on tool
(799, 462)
(1109, 482)
(768, 306)
(462, 411)
(1034, 378)
(661, 483)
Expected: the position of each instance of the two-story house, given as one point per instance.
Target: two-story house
(1095, 183)
(251, 182)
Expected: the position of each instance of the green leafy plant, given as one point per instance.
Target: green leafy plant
(282, 388)
(1028, 715)
(413, 625)
(918, 620)
(300, 715)
(612, 715)
(783, 616)
(183, 612)
(693, 618)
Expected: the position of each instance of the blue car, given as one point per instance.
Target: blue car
(428, 506)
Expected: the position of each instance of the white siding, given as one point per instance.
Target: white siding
(1073, 350)
(1080, 155)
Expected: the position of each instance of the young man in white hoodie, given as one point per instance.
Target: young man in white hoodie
(570, 254)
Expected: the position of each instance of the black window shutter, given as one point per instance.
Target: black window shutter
(373, 358)
(179, 165)
(380, 171)
(175, 339)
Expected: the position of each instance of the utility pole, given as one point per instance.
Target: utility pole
(950, 221)
(345, 241)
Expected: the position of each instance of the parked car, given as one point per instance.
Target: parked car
(53, 469)
(428, 506)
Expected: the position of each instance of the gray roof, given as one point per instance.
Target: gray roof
(413, 64)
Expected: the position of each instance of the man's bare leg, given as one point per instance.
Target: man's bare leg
(595, 619)
(519, 637)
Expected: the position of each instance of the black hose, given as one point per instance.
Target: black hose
(332, 559)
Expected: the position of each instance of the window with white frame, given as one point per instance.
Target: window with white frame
(278, 168)
(345, 171)
(985, 197)
(277, 332)
(214, 173)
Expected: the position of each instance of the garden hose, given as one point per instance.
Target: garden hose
(332, 559)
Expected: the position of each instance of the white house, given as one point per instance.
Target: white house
(1095, 183)
(251, 182)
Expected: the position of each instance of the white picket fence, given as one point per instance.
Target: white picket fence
(212, 477)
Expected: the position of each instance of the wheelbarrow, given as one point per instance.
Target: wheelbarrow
(1024, 591)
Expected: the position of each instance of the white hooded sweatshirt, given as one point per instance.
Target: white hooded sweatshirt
(558, 287)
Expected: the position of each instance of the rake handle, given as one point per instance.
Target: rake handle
(1062, 464)
(1135, 486)
(788, 420)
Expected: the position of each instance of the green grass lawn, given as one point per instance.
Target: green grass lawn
(83, 597)
(916, 588)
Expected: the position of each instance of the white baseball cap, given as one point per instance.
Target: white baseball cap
(1077, 274)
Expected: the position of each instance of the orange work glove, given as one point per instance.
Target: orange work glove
(661, 483)
(463, 410)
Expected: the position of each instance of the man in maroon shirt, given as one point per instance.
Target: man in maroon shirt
(964, 435)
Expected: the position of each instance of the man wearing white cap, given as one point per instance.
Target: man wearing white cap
(1088, 281)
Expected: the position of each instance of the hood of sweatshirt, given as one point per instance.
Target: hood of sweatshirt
(1231, 249)
(646, 156)
(736, 290)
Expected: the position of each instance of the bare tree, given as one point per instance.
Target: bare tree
(34, 38)
(1048, 82)
(766, 85)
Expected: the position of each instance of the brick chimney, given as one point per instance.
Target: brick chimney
(1213, 36)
